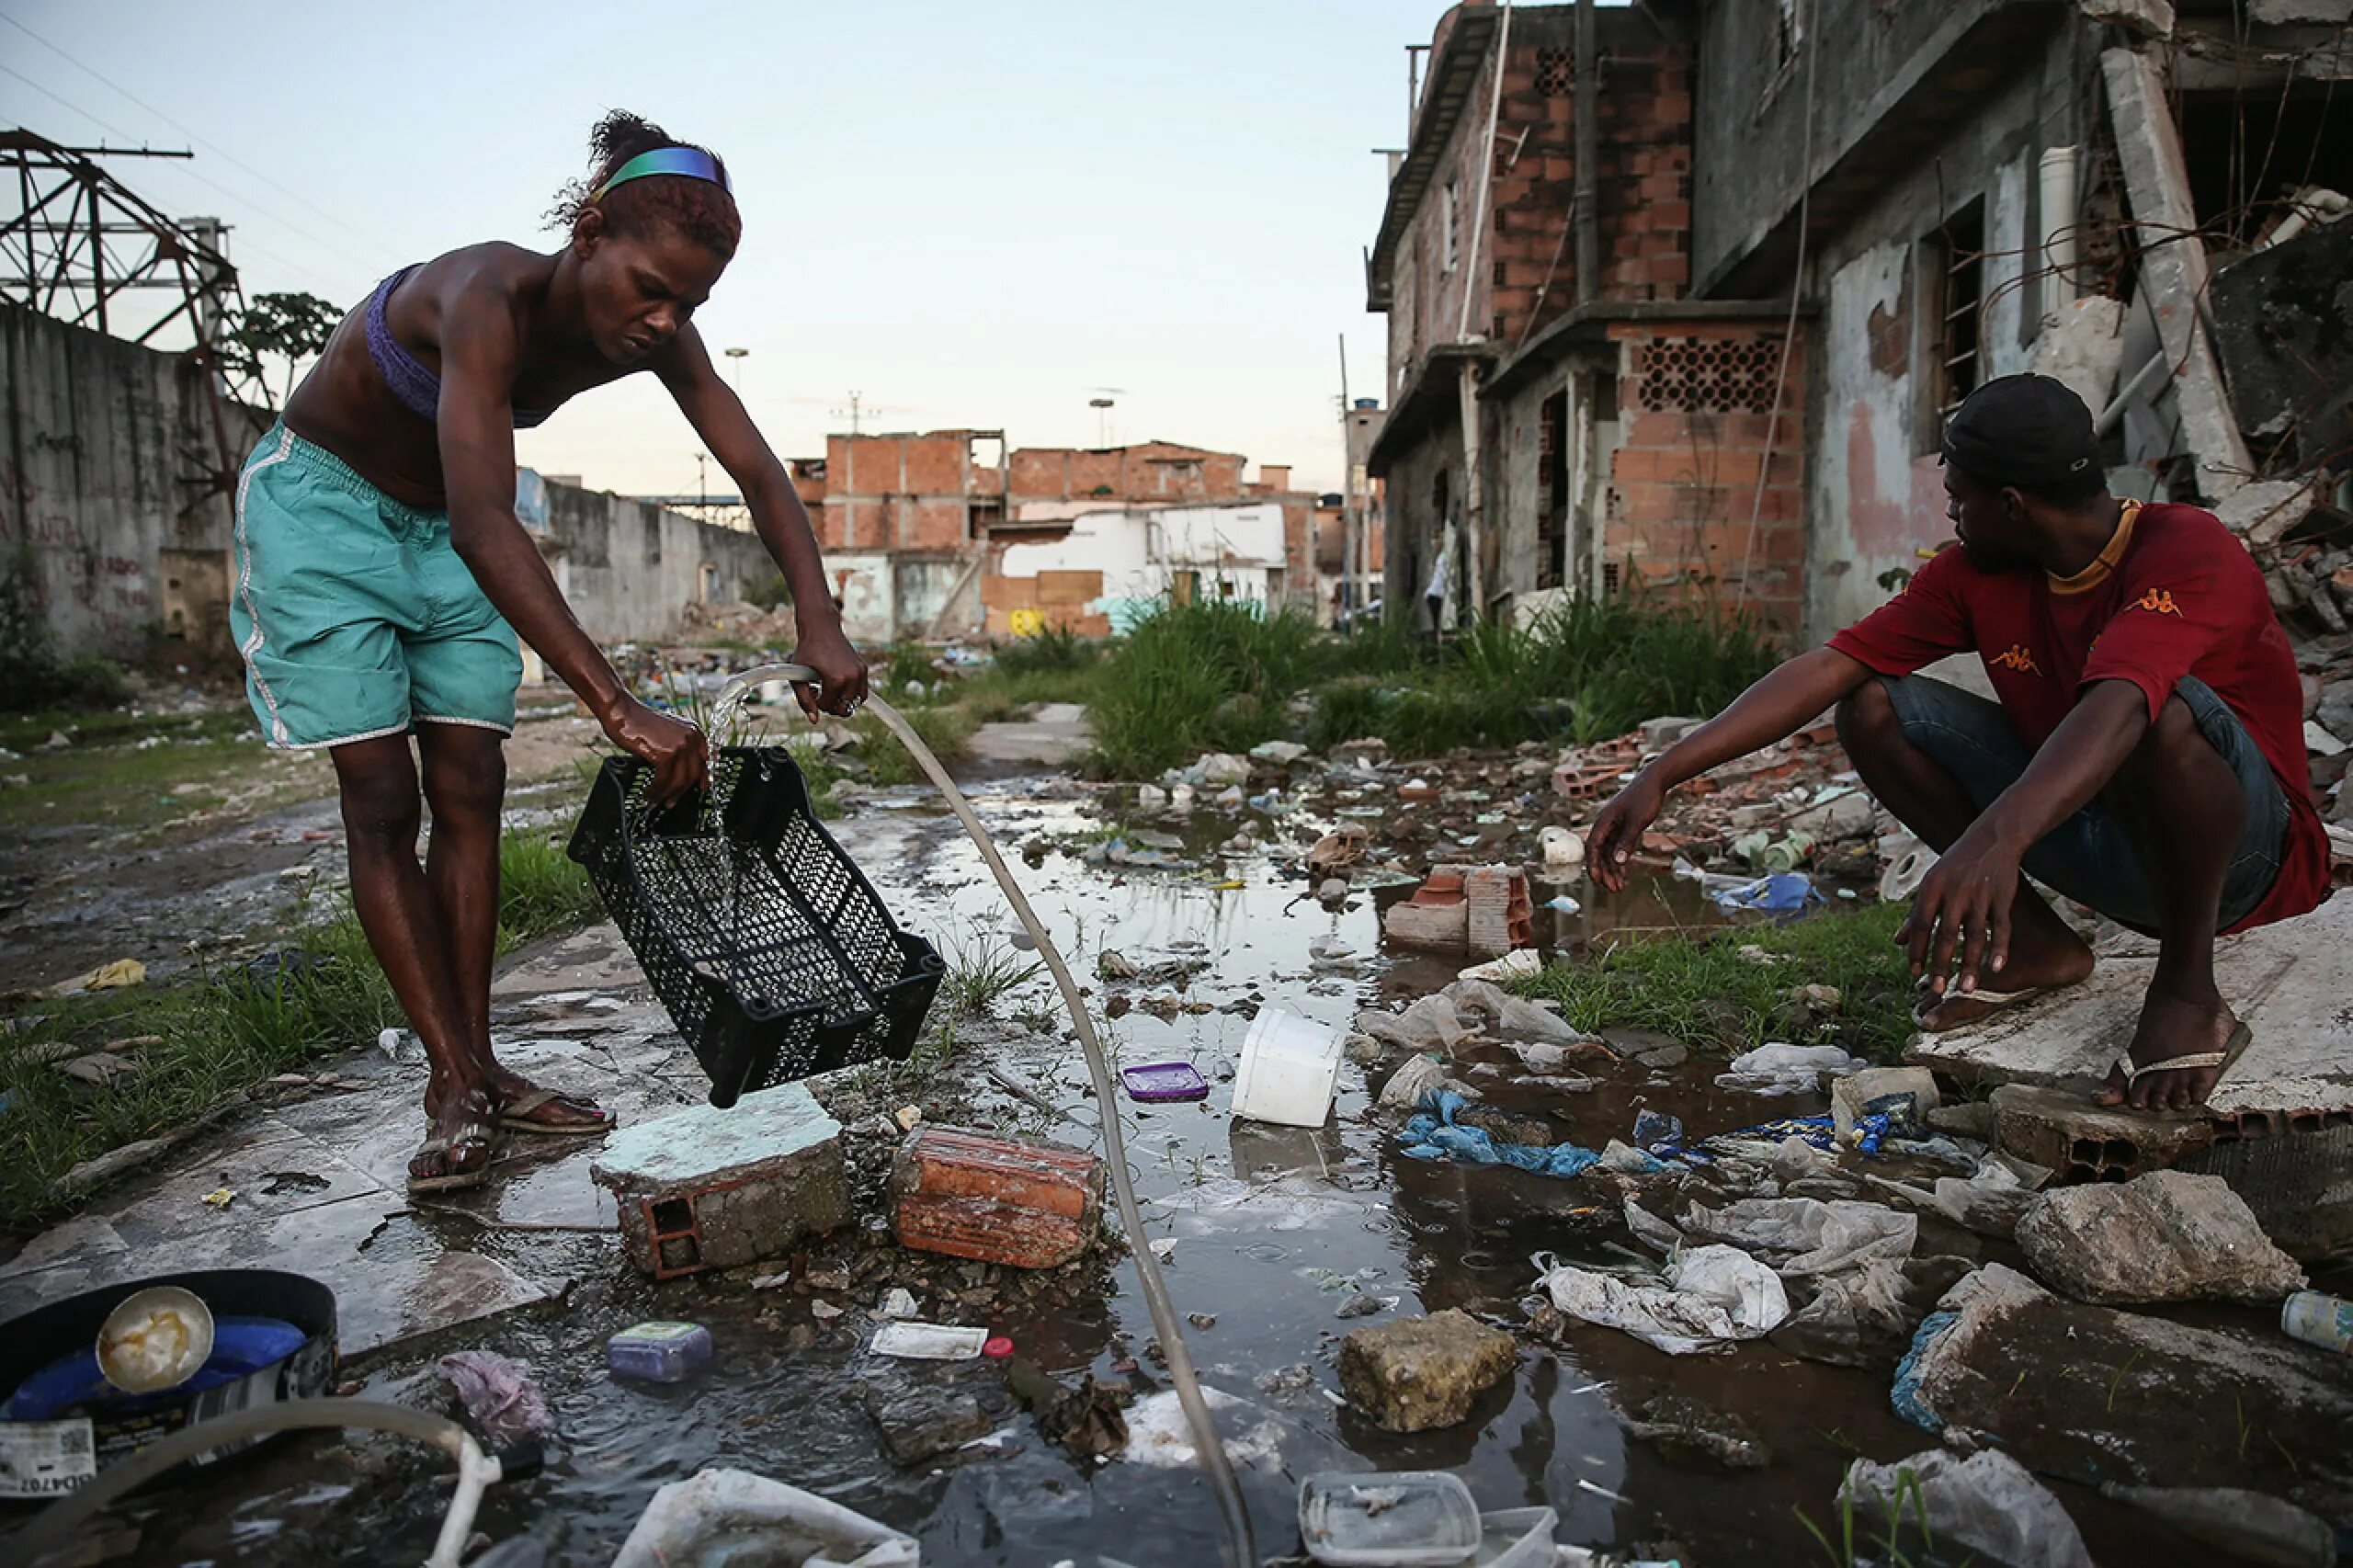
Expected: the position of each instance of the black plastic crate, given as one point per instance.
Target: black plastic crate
(767, 944)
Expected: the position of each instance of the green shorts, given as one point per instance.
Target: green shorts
(355, 617)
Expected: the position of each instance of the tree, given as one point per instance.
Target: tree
(294, 327)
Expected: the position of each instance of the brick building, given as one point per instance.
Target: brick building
(915, 527)
(1564, 413)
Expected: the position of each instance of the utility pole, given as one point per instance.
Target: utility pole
(856, 405)
(1348, 523)
(702, 484)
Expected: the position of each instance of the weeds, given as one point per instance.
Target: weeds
(33, 674)
(222, 1033)
(1908, 1507)
(1213, 675)
(982, 970)
(1699, 989)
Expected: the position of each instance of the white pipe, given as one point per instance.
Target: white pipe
(2056, 201)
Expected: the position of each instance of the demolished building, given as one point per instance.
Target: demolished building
(1679, 294)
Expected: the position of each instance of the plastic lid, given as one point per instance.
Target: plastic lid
(996, 1345)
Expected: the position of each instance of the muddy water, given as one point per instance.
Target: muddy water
(1275, 1229)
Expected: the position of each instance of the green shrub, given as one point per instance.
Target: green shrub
(768, 592)
(1057, 649)
(1211, 674)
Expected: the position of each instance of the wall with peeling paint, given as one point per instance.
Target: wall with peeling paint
(1876, 489)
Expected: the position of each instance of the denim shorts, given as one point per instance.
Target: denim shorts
(355, 617)
(2090, 857)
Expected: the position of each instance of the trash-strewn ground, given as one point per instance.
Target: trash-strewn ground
(1279, 1241)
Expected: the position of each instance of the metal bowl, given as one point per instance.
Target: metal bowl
(155, 1340)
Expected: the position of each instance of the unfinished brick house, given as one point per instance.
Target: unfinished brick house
(1721, 360)
(1563, 412)
(915, 528)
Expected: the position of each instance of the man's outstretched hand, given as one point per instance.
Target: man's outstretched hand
(1963, 908)
(1617, 832)
(841, 675)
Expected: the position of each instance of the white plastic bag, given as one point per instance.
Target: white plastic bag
(1804, 1236)
(1985, 1503)
(722, 1511)
(1710, 1296)
(1780, 1068)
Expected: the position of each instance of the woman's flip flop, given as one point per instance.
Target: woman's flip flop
(469, 1135)
(515, 1116)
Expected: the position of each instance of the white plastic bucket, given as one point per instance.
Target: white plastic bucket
(1289, 1068)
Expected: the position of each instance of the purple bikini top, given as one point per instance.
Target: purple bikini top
(418, 388)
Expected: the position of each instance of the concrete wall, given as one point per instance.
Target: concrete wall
(1236, 552)
(1876, 492)
(104, 469)
(101, 461)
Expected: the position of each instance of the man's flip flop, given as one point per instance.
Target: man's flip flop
(1991, 1000)
(515, 1116)
(2234, 1047)
(468, 1135)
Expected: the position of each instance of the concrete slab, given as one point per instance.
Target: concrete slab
(1055, 735)
(2291, 983)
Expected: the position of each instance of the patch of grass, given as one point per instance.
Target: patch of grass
(946, 731)
(1701, 991)
(133, 771)
(1902, 1517)
(1214, 675)
(1057, 650)
(983, 970)
(221, 1032)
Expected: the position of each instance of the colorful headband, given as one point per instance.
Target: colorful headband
(692, 162)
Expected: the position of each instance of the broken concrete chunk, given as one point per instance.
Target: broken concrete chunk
(1424, 1372)
(2245, 1526)
(2064, 1132)
(2167, 1237)
(1986, 1503)
(921, 1424)
(2103, 1396)
(711, 1188)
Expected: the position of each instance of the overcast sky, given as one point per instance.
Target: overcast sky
(974, 215)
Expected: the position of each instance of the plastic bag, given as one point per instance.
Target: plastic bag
(502, 1401)
(1986, 1503)
(734, 1510)
(1780, 1068)
(1710, 1298)
(1433, 1135)
(1804, 1236)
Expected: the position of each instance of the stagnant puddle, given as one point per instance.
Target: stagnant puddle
(1275, 1229)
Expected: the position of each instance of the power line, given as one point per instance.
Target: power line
(218, 151)
(309, 273)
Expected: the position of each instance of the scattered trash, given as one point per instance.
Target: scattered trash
(1026, 1203)
(1709, 1298)
(928, 1342)
(505, 1406)
(906, 1115)
(898, 1303)
(1397, 1517)
(1282, 754)
(1866, 1317)
(1653, 1128)
(1909, 862)
(733, 1515)
(1158, 1436)
(1218, 769)
(658, 1352)
(2166, 1236)
(221, 1197)
(1416, 1078)
(1991, 1201)
(1289, 1067)
(1420, 1373)
(1805, 1237)
(154, 1339)
(120, 975)
(1685, 1430)
(1783, 893)
(1436, 1133)
(1158, 1083)
(1516, 965)
(1436, 916)
(2325, 1321)
(1562, 847)
(1986, 1503)
(1780, 1068)
(997, 1346)
(1903, 1095)
(919, 1425)
(1112, 964)
(1564, 904)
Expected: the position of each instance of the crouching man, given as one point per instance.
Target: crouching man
(2146, 756)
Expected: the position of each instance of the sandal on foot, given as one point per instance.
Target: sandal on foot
(515, 1116)
(2234, 1047)
(469, 1135)
(1991, 1000)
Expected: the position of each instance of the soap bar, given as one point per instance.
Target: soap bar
(659, 1352)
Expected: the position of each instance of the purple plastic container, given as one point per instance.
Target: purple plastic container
(1158, 1082)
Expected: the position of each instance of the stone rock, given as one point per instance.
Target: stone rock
(2166, 1236)
(1423, 1372)
(1689, 1432)
(2245, 1526)
(1970, 1118)
(922, 1424)
(2063, 1132)
(1218, 769)
(2335, 709)
(1662, 1058)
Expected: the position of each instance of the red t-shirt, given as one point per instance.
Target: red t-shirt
(2175, 594)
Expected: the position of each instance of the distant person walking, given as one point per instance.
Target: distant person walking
(382, 577)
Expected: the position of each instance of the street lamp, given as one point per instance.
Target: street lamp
(737, 355)
(1102, 407)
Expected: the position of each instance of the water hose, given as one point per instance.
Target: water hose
(1241, 1545)
(476, 1470)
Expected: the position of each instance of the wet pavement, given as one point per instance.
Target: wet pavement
(1274, 1230)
